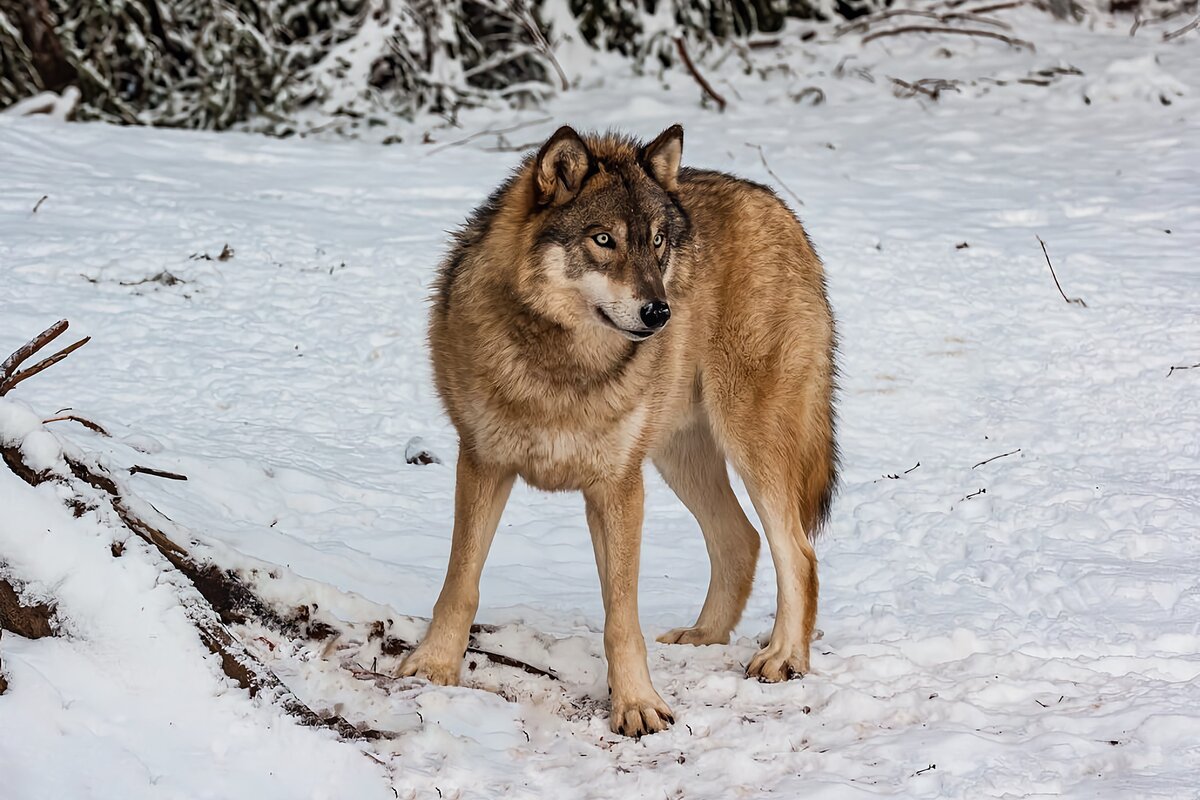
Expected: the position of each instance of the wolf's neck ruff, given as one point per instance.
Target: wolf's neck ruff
(580, 356)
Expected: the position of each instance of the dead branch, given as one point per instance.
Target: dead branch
(1191, 26)
(535, 30)
(166, 278)
(137, 469)
(818, 96)
(681, 46)
(511, 148)
(1189, 366)
(393, 646)
(993, 458)
(762, 155)
(1139, 20)
(508, 661)
(32, 346)
(930, 87)
(84, 421)
(996, 7)
(862, 23)
(489, 132)
(1075, 300)
(971, 15)
(38, 204)
(9, 377)
(225, 598)
(1009, 40)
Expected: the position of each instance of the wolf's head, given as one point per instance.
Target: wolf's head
(608, 229)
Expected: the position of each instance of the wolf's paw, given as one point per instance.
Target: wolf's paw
(694, 635)
(773, 664)
(639, 715)
(433, 667)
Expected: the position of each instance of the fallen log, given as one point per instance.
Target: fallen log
(33, 621)
(223, 597)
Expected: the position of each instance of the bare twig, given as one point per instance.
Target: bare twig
(970, 15)
(535, 30)
(511, 148)
(892, 476)
(930, 87)
(32, 346)
(41, 365)
(84, 421)
(1045, 77)
(993, 458)
(975, 494)
(1139, 20)
(512, 662)
(38, 204)
(1009, 40)
(9, 377)
(762, 155)
(137, 469)
(1191, 26)
(996, 7)
(489, 132)
(1189, 366)
(704, 84)
(865, 22)
(166, 278)
(1076, 300)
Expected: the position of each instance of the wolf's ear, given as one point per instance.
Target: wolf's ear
(661, 157)
(562, 164)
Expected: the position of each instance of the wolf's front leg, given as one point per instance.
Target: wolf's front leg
(614, 513)
(479, 497)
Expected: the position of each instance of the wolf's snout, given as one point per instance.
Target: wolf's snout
(655, 314)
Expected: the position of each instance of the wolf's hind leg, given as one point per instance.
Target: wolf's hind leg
(479, 497)
(693, 465)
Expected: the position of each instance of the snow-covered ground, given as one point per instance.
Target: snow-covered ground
(1029, 626)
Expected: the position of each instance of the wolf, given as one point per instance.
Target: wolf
(603, 307)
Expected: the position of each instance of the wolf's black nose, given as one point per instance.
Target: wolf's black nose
(655, 314)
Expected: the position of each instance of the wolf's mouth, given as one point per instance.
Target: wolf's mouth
(634, 336)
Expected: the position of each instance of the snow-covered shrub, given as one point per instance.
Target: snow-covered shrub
(214, 63)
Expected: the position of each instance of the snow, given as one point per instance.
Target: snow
(1038, 637)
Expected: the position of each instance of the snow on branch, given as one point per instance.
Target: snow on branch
(221, 603)
(10, 377)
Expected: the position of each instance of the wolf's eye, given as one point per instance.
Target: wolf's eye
(603, 239)
(658, 240)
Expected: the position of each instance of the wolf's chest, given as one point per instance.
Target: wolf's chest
(555, 452)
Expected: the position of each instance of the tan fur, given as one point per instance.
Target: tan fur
(538, 387)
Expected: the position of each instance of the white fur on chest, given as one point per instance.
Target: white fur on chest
(558, 453)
